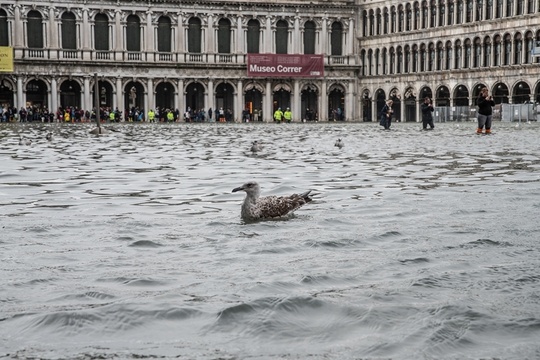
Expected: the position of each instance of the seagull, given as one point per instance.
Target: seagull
(24, 141)
(339, 143)
(255, 146)
(268, 207)
(49, 136)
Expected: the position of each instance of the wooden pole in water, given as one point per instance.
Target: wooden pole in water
(96, 102)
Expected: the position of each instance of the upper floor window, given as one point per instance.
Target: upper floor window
(399, 60)
(469, 15)
(507, 49)
(441, 13)
(489, 9)
(477, 52)
(224, 36)
(457, 55)
(468, 54)
(401, 18)
(431, 57)
(69, 31)
(433, 14)
(528, 47)
(35, 30)
(530, 6)
(497, 50)
(378, 20)
(450, 13)
(309, 37)
(487, 51)
(282, 37)
(440, 56)
(385, 21)
(164, 31)
(416, 16)
(459, 14)
(371, 23)
(498, 8)
(509, 8)
(101, 32)
(393, 20)
(133, 34)
(337, 38)
(448, 62)
(253, 36)
(365, 22)
(518, 48)
(520, 7)
(407, 60)
(425, 15)
(4, 38)
(408, 23)
(194, 35)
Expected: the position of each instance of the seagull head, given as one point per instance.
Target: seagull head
(251, 188)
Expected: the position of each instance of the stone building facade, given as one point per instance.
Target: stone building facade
(447, 50)
(178, 55)
(193, 54)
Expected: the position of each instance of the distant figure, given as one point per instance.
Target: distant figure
(339, 143)
(427, 116)
(268, 207)
(278, 115)
(287, 115)
(386, 115)
(485, 111)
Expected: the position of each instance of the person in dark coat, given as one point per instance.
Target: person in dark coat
(485, 111)
(427, 116)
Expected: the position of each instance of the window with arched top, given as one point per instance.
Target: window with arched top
(4, 37)
(378, 22)
(457, 55)
(224, 36)
(433, 21)
(194, 35)
(385, 21)
(507, 49)
(399, 63)
(282, 36)
(450, 20)
(518, 48)
(253, 36)
(365, 23)
(448, 57)
(371, 23)
(309, 37)
(498, 9)
(468, 54)
(459, 11)
(407, 60)
(431, 57)
(34, 28)
(469, 10)
(425, 14)
(423, 58)
(377, 60)
(529, 43)
(440, 56)
(414, 62)
(133, 33)
(497, 50)
(509, 8)
(408, 19)
(477, 52)
(487, 51)
(101, 32)
(441, 10)
(489, 9)
(69, 31)
(164, 34)
(336, 40)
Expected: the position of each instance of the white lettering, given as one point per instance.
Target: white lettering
(289, 69)
(261, 69)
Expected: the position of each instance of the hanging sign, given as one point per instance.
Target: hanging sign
(285, 65)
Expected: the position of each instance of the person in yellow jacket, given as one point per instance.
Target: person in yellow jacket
(151, 116)
(278, 115)
(287, 115)
(170, 116)
(112, 117)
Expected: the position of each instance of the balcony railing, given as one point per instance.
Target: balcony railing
(157, 57)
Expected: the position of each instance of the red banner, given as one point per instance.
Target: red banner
(285, 65)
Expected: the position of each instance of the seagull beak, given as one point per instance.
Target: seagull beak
(238, 189)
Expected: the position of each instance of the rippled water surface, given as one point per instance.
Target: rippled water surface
(418, 245)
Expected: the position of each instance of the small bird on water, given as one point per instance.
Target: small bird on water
(339, 143)
(268, 207)
(256, 147)
(24, 141)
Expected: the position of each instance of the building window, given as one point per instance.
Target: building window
(337, 39)
(440, 56)
(528, 47)
(497, 51)
(370, 62)
(489, 9)
(509, 8)
(378, 22)
(468, 55)
(425, 15)
(487, 52)
(282, 37)
(35, 30)
(401, 18)
(459, 18)
(408, 23)
(101, 32)
(224, 36)
(365, 27)
(416, 16)
(371, 23)
(469, 6)
(518, 48)
(423, 58)
(377, 61)
(498, 9)
(194, 35)
(507, 50)
(253, 37)
(414, 59)
(520, 7)
(433, 14)
(363, 59)
(384, 62)
(309, 37)
(133, 35)
(431, 57)
(448, 62)
(457, 55)
(407, 60)
(4, 38)
(530, 6)
(441, 13)
(69, 31)
(164, 34)
(399, 60)
(479, 10)
(477, 53)
(391, 66)
(450, 13)
(385, 21)
(393, 20)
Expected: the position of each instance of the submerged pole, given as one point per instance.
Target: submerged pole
(96, 100)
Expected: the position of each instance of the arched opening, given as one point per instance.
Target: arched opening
(461, 96)
(410, 106)
(310, 104)
(194, 97)
(281, 97)
(442, 97)
(165, 96)
(522, 93)
(380, 95)
(105, 95)
(36, 94)
(336, 104)
(253, 103)
(366, 106)
(6, 94)
(500, 94)
(133, 96)
(70, 94)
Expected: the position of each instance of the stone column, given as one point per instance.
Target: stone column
(240, 44)
(209, 39)
(149, 46)
(296, 40)
(85, 32)
(20, 97)
(268, 112)
(239, 100)
(180, 45)
(151, 96)
(87, 99)
(18, 25)
(349, 102)
(118, 30)
(211, 97)
(53, 34)
(323, 107)
(119, 103)
(350, 35)
(53, 103)
(324, 49)
(181, 97)
(268, 36)
(296, 105)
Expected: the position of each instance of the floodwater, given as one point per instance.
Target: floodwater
(418, 245)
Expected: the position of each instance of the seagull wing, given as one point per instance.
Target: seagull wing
(277, 206)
